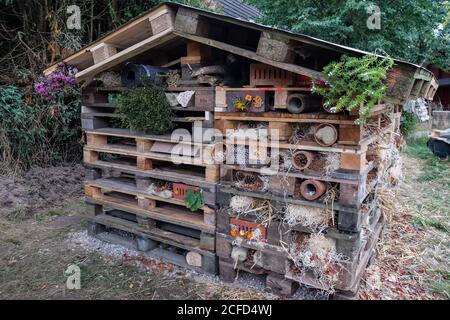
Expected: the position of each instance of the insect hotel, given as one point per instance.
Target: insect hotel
(273, 179)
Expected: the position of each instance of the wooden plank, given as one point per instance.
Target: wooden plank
(169, 238)
(252, 55)
(130, 189)
(125, 30)
(131, 151)
(225, 188)
(191, 220)
(126, 54)
(313, 117)
(156, 173)
(357, 178)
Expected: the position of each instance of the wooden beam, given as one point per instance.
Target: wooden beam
(252, 55)
(126, 54)
(110, 37)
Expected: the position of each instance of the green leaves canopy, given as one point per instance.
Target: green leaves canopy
(413, 30)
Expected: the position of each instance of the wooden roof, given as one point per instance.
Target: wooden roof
(169, 21)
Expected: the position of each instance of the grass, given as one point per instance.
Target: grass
(433, 168)
(433, 178)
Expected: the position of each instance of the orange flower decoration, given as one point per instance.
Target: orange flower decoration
(248, 97)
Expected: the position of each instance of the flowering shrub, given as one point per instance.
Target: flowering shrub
(52, 86)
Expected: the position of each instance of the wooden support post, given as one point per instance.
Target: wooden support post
(284, 130)
(102, 52)
(96, 140)
(212, 173)
(93, 173)
(351, 195)
(350, 134)
(282, 185)
(207, 241)
(145, 203)
(190, 22)
(227, 271)
(281, 285)
(276, 48)
(162, 22)
(93, 210)
(145, 222)
(224, 125)
(281, 99)
(356, 162)
(143, 146)
(90, 156)
(144, 164)
(209, 216)
(92, 192)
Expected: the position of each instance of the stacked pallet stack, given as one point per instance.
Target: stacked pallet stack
(136, 183)
(298, 194)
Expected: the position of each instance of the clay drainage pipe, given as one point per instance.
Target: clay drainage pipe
(325, 135)
(312, 189)
(301, 160)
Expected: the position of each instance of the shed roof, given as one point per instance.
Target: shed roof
(137, 39)
(231, 17)
(238, 9)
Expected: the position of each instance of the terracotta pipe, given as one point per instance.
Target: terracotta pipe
(301, 160)
(322, 130)
(312, 189)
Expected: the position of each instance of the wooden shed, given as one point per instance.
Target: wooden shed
(254, 217)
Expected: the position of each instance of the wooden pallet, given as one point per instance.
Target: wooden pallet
(275, 265)
(137, 155)
(226, 191)
(124, 194)
(351, 138)
(279, 234)
(142, 179)
(172, 247)
(353, 187)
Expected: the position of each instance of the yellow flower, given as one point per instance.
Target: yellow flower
(248, 97)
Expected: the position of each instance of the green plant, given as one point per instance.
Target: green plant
(36, 132)
(408, 123)
(353, 82)
(193, 200)
(145, 109)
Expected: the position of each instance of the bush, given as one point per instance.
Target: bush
(36, 132)
(408, 123)
(145, 109)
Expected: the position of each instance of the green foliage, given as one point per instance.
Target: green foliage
(145, 109)
(417, 31)
(408, 124)
(352, 82)
(193, 200)
(36, 132)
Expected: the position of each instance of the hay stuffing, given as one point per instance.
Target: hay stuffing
(309, 217)
(262, 209)
(241, 204)
(317, 254)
